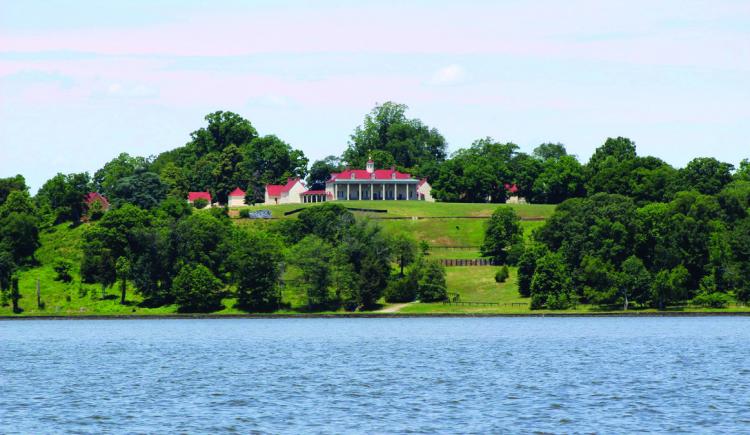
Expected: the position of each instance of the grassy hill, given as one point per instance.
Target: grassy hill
(453, 231)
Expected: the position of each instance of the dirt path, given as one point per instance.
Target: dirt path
(392, 308)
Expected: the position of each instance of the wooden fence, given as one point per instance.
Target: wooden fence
(468, 262)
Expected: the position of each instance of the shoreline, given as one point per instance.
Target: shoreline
(373, 316)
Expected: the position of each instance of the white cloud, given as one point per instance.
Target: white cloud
(448, 75)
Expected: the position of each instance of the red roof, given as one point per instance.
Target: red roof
(511, 188)
(192, 196)
(361, 174)
(278, 189)
(315, 192)
(237, 192)
(96, 196)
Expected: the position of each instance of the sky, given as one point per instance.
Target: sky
(82, 81)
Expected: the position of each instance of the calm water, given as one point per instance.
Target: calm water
(376, 375)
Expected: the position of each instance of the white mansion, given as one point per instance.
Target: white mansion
(354, 184)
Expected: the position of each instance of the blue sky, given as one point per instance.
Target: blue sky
(81, 81)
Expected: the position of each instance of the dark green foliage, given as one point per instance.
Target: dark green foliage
(254, 263)
(363, 259)
(669, 286)
(401, 289)
(404, 249)
(321, 171)
(432, 286)
(558, 179)
(502, 274)
(476, 174)
(387, 129)
(550, 151)
(143, 189)
(328, 221)
(19, 227)
(424, 248)
(743, 173)
(706, 175)
(122, 166)
(712, 300)
(62, 268)
(527, 266)
(196, 289)
(11, 184)
(122, 270)
(61, 197)
(7, 269)
(313, 256)
(551, 286)
(503, 231)
(200, 203)
(226, 154)
(244, 213)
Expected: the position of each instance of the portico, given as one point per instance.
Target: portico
(376, 185)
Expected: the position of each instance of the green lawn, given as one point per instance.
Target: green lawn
(423, 209)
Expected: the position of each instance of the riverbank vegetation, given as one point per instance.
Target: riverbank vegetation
(630, 231)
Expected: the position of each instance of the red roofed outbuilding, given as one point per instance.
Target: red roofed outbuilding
(236, 198)
(289, 193)
(193, 196)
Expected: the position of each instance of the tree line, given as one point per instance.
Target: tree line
(173, 255)
(627, 246)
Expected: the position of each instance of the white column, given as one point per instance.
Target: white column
(382, 197)
(347, 192)
(335, 191)
(359, 196)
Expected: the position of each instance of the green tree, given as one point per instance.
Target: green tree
(560, 179)
(551, 286)
(527, 266)
(635, 283)
(122, 270)
(11, 184)
(328, 221)
(313, 256)
(321, 171)
(706, 175)
(743, 173)
(62, 197)
(255, 264)
(363, 265)
(143, 189)
(404, 250)
(669, 287)
(432, 285)
(122, 166)
(503, 231)
(550, 151)
(386, 128)
(196, 289)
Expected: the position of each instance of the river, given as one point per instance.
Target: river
(423, 375)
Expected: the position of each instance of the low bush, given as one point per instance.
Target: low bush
(502, 274)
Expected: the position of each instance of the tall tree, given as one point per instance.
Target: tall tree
(255, 262)
(706, 175)
(503, 231)
(386, 128)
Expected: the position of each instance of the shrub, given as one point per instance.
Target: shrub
(712, 300)
(432, 286)
(62, 268)
(502, 274)
(196, 289)
(245, 213)
(401, 290)
(200, 203)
